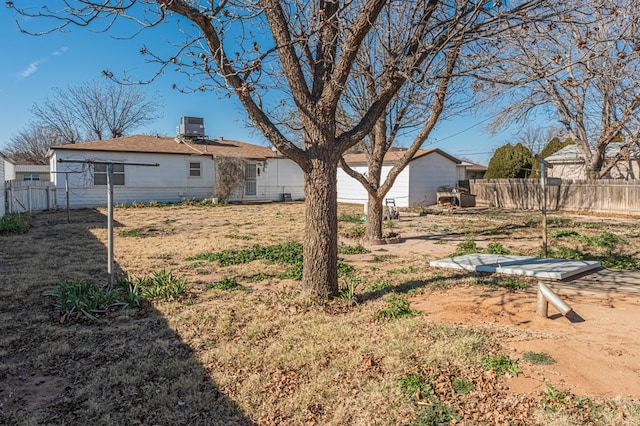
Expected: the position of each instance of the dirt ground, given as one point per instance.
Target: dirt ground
(596, 356)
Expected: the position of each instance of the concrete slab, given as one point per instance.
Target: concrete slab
(549, 268)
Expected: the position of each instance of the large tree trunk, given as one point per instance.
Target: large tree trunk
(374, 218)
(320, 268)
(379, 147)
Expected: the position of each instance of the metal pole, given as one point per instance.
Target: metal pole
(543, 184)
(66, 190)
(546, 296)
(110, 222)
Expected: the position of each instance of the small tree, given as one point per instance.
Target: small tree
(229, 176)
(510, 161)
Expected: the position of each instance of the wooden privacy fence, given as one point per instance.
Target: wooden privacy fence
(30, 196)
(601, 196)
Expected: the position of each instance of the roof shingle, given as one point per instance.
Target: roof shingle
(169, 145)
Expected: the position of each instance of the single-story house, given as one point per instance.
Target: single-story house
(568, 163)
(9, 166)
(32, 172)
(416, 185)
(3, 161)
(186, 170)
(470, 171)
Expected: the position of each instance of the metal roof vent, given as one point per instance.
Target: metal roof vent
(191, 127)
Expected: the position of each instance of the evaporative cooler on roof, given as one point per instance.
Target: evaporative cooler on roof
(192, 127)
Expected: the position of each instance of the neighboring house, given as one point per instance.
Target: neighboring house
(3, 162)
(568, 163)
(416, 185)
(32, 172)
(9, 165)
(470, 171)
(187, 170)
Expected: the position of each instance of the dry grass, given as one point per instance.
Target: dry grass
(260, 356)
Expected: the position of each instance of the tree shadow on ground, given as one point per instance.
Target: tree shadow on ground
(407, 287)
(127, 367)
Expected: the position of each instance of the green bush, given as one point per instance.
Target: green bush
(162, 285)
(79, 297)
(14, 223)
(510, 161)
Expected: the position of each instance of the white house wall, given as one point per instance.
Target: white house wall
(280, 176)
(427, 174)
(169, 182)
(2, 186)
(9, 172)
(351, 191)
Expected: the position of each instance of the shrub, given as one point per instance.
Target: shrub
(14, 223)
(79, 297)
(162, 285)
(510, 161)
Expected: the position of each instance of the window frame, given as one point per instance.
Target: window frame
(118, 174)
(194, 169)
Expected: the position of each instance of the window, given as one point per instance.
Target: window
(250, 179)
(100, 174)
(194, 170)
(31, 177)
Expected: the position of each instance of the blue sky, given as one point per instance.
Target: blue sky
(31, 66)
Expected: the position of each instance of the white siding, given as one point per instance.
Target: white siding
(427, 174)
(351, 191)
(280, 176)
(169, 182)
(2, 186)
(416, 185)
(9, 170)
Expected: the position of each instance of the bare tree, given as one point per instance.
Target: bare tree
(30, 145)
(229, 176)
(96, 110)
(535, 138)
(440, 88)
(298, 54)
(583, 68)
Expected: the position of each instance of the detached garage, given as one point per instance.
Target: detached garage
(416, 185)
